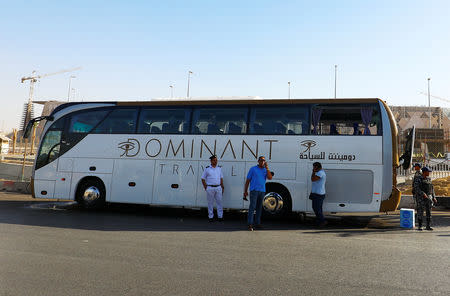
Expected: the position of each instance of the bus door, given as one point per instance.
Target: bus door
(175, 182)
(44, 181)
(63, 178)
(46, 165)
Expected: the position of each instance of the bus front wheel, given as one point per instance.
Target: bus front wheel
(91, 194)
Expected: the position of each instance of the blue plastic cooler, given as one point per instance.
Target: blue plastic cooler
(407, 218)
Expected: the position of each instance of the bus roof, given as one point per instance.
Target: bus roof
(243, 100)
(222, 101)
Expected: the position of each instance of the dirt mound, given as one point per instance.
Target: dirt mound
(441, 187)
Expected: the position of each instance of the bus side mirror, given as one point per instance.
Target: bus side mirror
(26, 133)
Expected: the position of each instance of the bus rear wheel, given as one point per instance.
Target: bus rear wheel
(91, 194)
(277, 202)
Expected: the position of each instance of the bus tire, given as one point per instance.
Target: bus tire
(91, 193)
(277, 202)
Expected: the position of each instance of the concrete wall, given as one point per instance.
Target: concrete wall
(12, 171)
(15, 186)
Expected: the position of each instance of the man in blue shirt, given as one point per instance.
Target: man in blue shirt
(256, 178)
(318, 178)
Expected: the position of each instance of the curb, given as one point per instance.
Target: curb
(15, 186)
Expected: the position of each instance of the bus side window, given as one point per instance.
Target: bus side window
(171, 127)
(119, 121)
(218, 120)
(155, 130)
(83, 122)
(279, 120)
(164, 121)
(233, 129)
(346, 119)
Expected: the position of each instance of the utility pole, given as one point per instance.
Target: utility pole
(14, 140)
(289, 90)
(189, 81)
(335, 80)
(23, 161)
(429, 101)
(33, 138)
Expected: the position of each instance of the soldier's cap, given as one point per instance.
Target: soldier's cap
(213, 156)
(418, 164)
(426, 169)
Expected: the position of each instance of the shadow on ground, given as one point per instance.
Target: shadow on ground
(125, 217)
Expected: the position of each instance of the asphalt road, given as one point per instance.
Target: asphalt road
(59, 249)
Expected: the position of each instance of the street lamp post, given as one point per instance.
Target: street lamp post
(289, 90)
(189, 81)
(429, 104)
(171, 91)
(70, 82)
(335, 80)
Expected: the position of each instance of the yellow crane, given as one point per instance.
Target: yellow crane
(33, 79)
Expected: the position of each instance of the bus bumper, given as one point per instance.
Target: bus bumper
(392, 203)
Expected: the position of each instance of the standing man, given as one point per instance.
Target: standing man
(256, 177)
(417, 175)
(425, 197)
(212, 180)
(318, 178)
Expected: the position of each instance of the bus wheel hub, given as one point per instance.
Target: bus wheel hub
(273, 202)
(91, 193)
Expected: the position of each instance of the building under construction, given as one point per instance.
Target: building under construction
(432, 130)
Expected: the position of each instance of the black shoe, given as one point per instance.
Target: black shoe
(220, 219)
(419, 228)
(429, 228)
(250, 227)
(211, 220)
(323, 223)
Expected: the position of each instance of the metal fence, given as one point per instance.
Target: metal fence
(20, 149)
(437, 173)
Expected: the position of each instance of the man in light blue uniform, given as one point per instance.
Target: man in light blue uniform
(256, 178)
(318, 178)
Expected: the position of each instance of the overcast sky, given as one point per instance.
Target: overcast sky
(134, 50)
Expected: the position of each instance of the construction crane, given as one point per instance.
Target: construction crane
(33, 79)
(436, 97)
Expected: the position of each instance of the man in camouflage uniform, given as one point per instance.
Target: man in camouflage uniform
(424, 193)
(417, 175)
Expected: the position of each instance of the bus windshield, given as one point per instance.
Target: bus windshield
(49, 150)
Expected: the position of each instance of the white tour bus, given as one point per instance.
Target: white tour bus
(154, 152)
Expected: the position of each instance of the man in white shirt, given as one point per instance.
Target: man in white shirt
(318, 178)
(212, 180)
